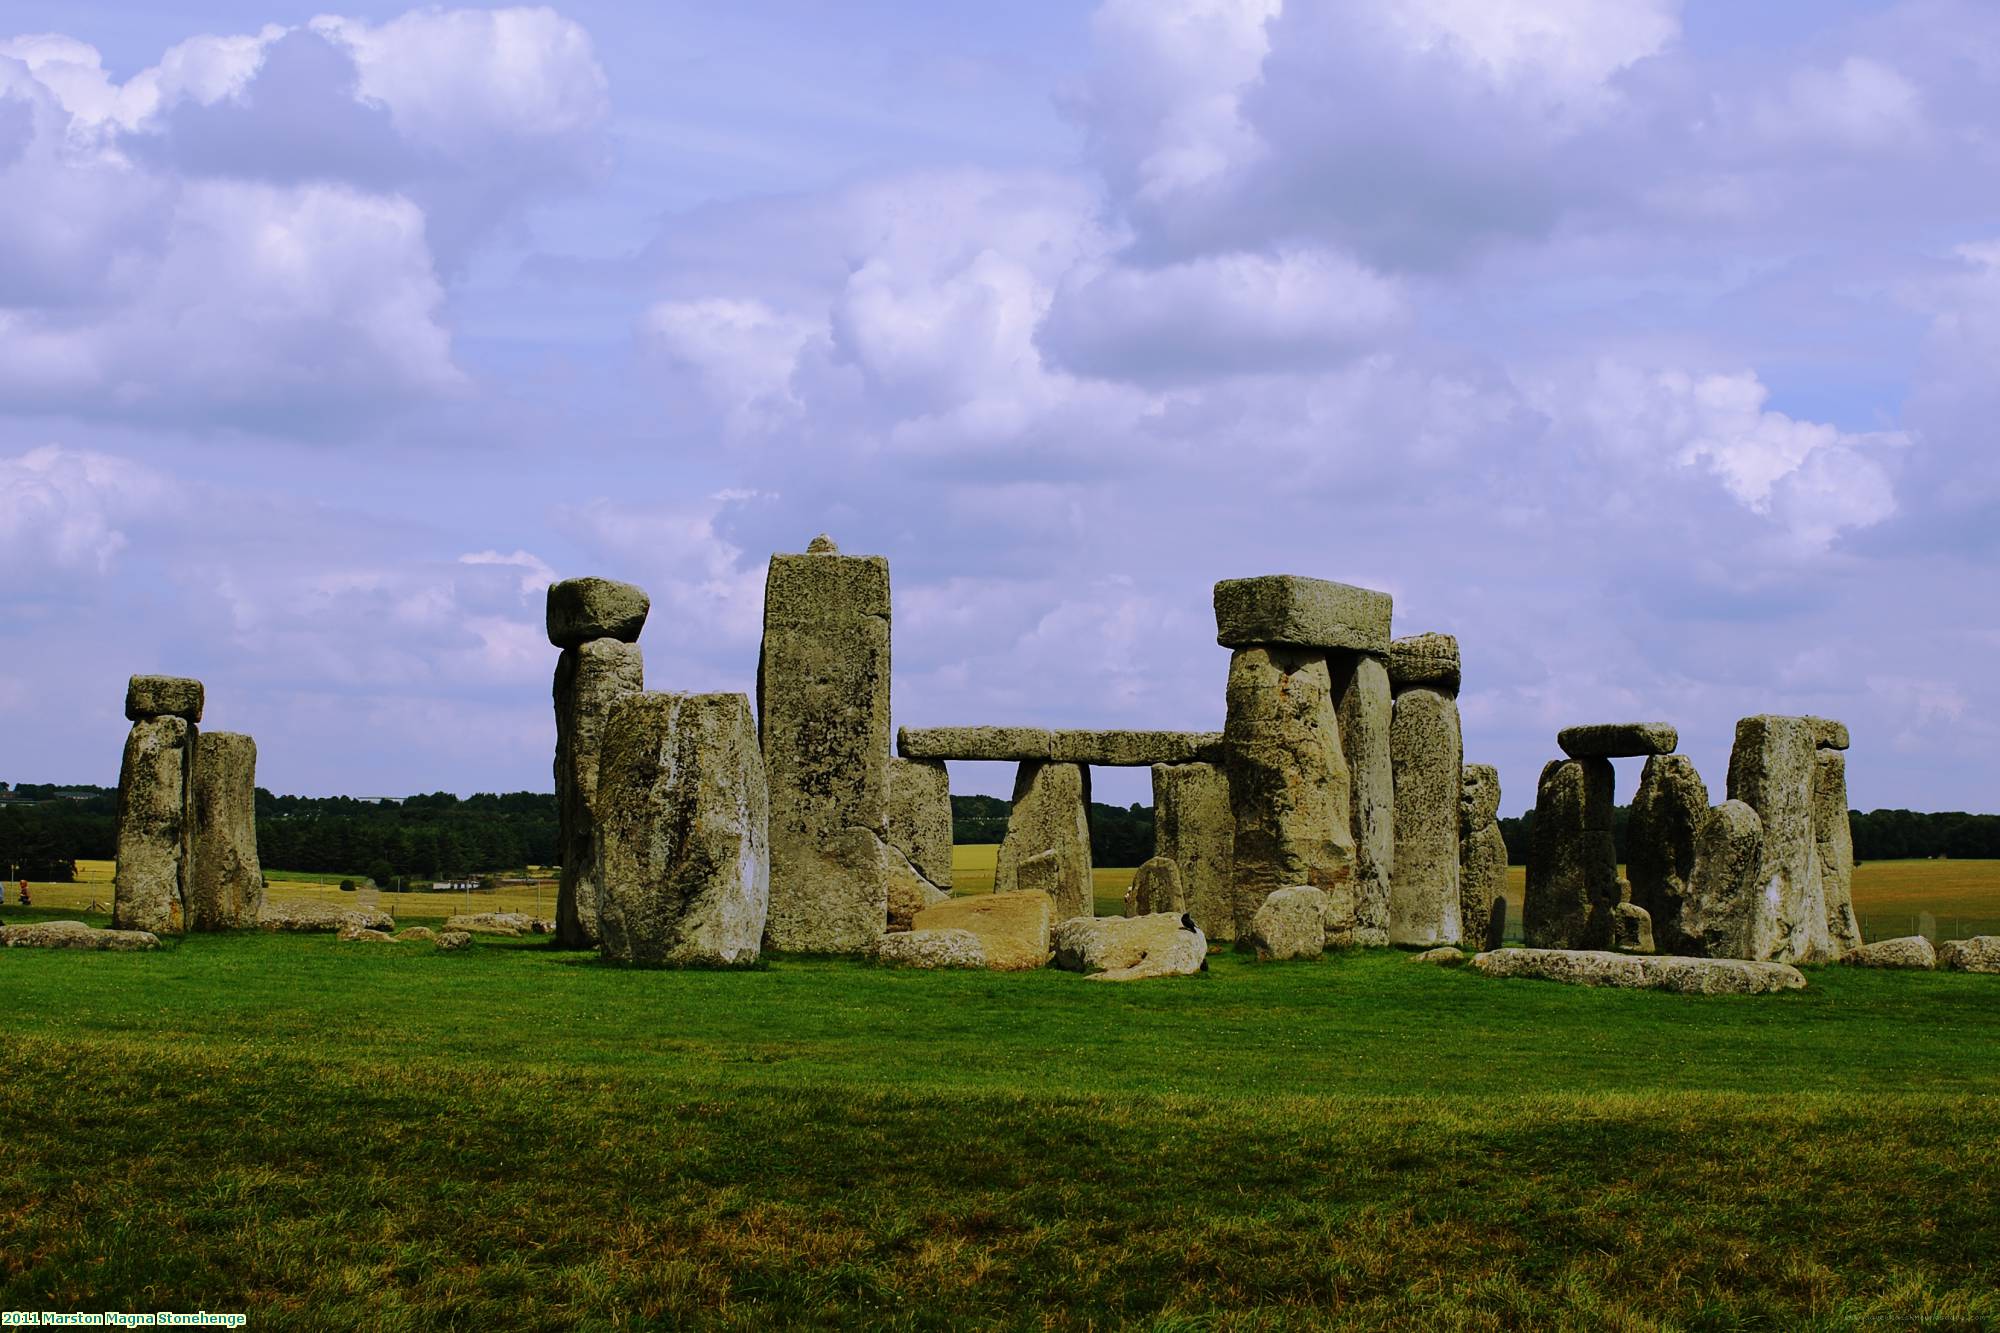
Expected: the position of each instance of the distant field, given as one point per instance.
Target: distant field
(94, 886)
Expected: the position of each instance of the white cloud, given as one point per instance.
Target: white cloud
(64, 509)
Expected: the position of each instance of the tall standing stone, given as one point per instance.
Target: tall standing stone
(919, 816)
(823, 719)
(1572, 859)
(150, 888)
(1720, 918)
(589, 677)
(1835, 846)
(1771, 768)
(1051, 817)
(225, 878)
(1482, 856)
(683, 814)
(1288, 785)
(1660, 842)
(1194, 826)
(1365, 702)
(1427, 756)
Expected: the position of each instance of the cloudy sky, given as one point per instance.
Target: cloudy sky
(1649, 347)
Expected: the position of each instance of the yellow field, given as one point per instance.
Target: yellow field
(93, 887)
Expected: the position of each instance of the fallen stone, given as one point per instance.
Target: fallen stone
(225, 878)
(493, 923)
(1285, 610)
(1482, 857)
(580, 610)
(823, 717)
(1828, 734)
(931, 949)
(321, 916)
(909, 892)
(1428, 757)
(1288, 784)
(1980, 953)
(1050, 815)
(1771, 770)
(919, 817)
(1910, 951)
(1833, 841)
(1013, 928)
(149, 890)
(1442, 956)
(355, 934)
(449, 940)
(417, 935)
(148, 697)
(1194, 827)
(1631, 929)
(588, 678)
(1117, 948)
(1430, 660)
(1686, 976)
(1667, 813)
(1133, 749)
(682, 807)
(1572, 880)
(1291, 924)
(1365, 704)
(75, 935)
(1156, 887)
(1719, 917)
(1617, 740)
(1006, 744)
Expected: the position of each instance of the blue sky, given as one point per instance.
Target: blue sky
(1648, 347)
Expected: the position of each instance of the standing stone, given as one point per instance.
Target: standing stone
(1834, 845)
(588, 678)
(1288, 785)
(1051, 816)
(1427, 757)
(1496, 924)
(150, 888)
(919, 816)
(686, 862)
(1194, 827)
(1156, 887)
(225, 879)
(1719, 919)
(1366, 705)
(1631, 929)
(823, 714)
(1482, 856)
(1667, 814)
(1771, 770)
(1573, 859)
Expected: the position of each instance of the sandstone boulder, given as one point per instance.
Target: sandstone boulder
(1011, 745)
(75, 935)
(150, 888)
(1911, 951)
(1667, 814)
(919, 817)
(225, 878)
(1617, 740)
(580, 610)
(1719, 917)
(1631, 929)
(1428, 756)
(1156, 887)
(588, 678)
(1980, 953)
(450, 940)
(1365, 704)
(321, 916)
(932, 949)
(1827, 733)
(1013, 928)
(1430, 660)
(1482, 857)
(1291, 924)
(417, 935)
(1771, 770)
(1442, 956)
(1117, 948)
(1194, 827)
(1050, 815)
(909, 892)
(1136, 749)
(1285, 610)
(1686, 976)
(356, 935)
(1833, 841)
(493, 923)
(1573, 861)
(148, 697)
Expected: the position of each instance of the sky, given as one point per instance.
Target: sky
(1648, 347)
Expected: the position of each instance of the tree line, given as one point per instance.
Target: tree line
(1119, 836)
(1879, 835)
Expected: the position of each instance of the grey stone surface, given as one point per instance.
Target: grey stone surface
(514, 924)
(1288, 785)
(1482, 857)
(148, 697)
(225, 878)
(450, 941)
(1980, 953)
(1771, 770)
(1667, 813)
(1828, 734)
(1430, 660)
(1002, 744)
(580, 610)
(417, 935)
(1285, 610)
(1686, 976)
(1631, 928)
(357, 935)
(1428, 758)
(1618, 740)
(931, 949)
(1194, 827)
(1291, 924)
(1720, 915)
(316, 916)
(1442, 956)
(1156, 887)
(1910, 952)
(1121, 948)
(1050, 815)
(154, 837)
(683, 811)
(588, 678)
(1833, 840)
(1364, 702)
(909, 892)
(823, 710)
(1043, 873)
(1572, 860)
(919, 816)
(75, 935)
(1134, 749)
(1013, 928)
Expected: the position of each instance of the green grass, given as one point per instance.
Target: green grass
(332, 1136)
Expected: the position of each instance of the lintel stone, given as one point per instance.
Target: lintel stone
(1618, 740)
(580, 610)
(1291, 611)
(163, 696)
(1429, 660)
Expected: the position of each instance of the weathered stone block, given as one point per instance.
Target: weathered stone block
(75, 935)
(1719, 918)
(1631, 928)
(1616, 740)
(154, 839)
(1686, 976)
(1194, 827)
(225, 878)
(1667, 813)
(1442, 956)
(1050, 815)
(1118, 948)
(1828, 734)
(1000, 744)
(1013, 928)
(1771, 770)
(909, 892)
(683, 810)
(588, 679)
(931, 949)
(580, 610)
(1134, 749)
(919, 816)
(1156, 887)
(1286, 610)
(1482, 856)
(1979, 953)
(148, 697)
(1910, 952)
(1364, 702)
(1573, 861)
(316, 916)
(1291, 924)
(1833, 840)
(1428, 758)
(1429, 660)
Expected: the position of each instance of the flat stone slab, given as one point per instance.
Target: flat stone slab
(1684, 976)
(162, 696)
(75, 935)
(1288, 610)
(1108, 749)
(1618, 740)
(1913, 952)
(329, 917)
(931, 949)
(1130, 948)
(499, 923)
(1442, 956)
(1013, 928)
(580, 610)
(1980, 953)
